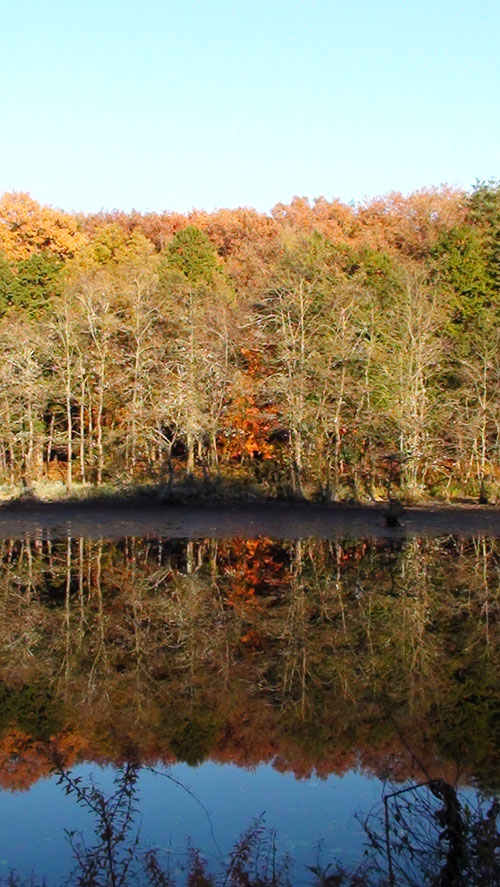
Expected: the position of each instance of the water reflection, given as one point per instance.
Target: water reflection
(309, 654)
(314, 656)
(421, 833)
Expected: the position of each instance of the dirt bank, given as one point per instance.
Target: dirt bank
(273, 519)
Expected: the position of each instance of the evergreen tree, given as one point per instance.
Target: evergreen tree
(38, 282)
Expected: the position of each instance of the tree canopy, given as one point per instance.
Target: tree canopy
(324, 350)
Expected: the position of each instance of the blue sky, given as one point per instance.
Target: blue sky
(175, 104)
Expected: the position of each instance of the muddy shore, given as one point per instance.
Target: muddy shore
(249, 520)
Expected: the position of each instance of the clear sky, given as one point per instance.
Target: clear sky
(175, 104)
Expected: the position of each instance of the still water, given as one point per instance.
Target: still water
(212, 805)
(235, 710)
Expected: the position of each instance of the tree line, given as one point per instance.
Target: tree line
(324, 350)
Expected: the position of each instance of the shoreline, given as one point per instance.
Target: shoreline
(113, 519)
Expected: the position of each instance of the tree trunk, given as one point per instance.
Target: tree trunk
(69, 423)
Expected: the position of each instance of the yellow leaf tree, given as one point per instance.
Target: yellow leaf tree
(27, 227)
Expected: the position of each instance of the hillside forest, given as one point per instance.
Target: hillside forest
(323, 350)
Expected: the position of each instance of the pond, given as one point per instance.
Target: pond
(235, 710)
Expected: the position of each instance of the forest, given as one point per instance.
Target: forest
(323, 351)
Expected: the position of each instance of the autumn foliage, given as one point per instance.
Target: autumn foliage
(275, 355)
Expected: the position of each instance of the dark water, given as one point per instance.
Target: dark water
(158, 695)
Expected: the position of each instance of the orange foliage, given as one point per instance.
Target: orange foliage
(249, 424)
(333, 219)
(159, 228)
(24, 760)
(246, 239)
(26, 227)
(248, 429)
(410, 223)
(251, 567)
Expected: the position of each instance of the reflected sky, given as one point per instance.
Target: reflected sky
(211, 805)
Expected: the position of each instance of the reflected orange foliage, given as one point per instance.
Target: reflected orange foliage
(24, 760)
(151, 645)
(251, 569)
